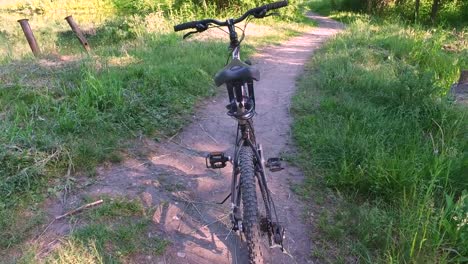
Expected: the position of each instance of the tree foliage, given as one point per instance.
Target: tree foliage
(190, 8)
(448, 12)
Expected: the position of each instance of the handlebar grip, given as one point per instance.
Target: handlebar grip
(185, 26)
(276, 5)
(268, 7)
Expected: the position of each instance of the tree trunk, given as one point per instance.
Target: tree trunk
(416, 11)
(435, 9)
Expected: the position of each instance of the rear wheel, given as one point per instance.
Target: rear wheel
(250, 222)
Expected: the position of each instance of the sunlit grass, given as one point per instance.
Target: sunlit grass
(110, 233)
(105, 24)
(374, 120)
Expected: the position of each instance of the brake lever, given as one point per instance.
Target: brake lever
(190, 33)
(273, 14)
(199, 27)
(263, 14)
(260, 14)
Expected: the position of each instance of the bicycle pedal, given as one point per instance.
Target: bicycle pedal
(216, 160)
(274, 164)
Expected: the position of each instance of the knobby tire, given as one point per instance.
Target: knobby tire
(250, 222)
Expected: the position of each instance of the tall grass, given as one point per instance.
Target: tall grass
(374, 119)
(110, 22)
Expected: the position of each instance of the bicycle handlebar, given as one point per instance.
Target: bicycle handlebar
(202, 25)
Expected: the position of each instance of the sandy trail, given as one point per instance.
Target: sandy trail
(167, 174)
(213, 130)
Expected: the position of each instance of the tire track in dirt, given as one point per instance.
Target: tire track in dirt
(171, 177)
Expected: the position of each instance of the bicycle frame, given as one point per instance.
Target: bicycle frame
(246, 137)
(248, 155)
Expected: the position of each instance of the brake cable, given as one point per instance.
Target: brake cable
(243, 30)
(203, 27)
(219, 27)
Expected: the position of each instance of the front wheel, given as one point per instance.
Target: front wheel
(251, 227)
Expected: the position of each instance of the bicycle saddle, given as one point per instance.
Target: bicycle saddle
(236, 70)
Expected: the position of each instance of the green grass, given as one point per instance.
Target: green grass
(61, 117)
(69, 251)
(118, 229)
(84, 121)
(114, 232)
(373, 122)
(112, 208)
(106, 23)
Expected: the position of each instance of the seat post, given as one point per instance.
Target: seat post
(251, 90)
(230, 91)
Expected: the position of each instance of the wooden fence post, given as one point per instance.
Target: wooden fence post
(78, 33)
(30, 36)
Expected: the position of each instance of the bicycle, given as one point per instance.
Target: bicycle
(248, 162)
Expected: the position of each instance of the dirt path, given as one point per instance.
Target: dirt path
(168, 174)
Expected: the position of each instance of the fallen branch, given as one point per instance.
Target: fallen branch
(79, 209)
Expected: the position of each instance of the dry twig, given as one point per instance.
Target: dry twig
(81, 208)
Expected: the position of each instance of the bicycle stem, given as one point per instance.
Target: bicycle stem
(234, 44)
